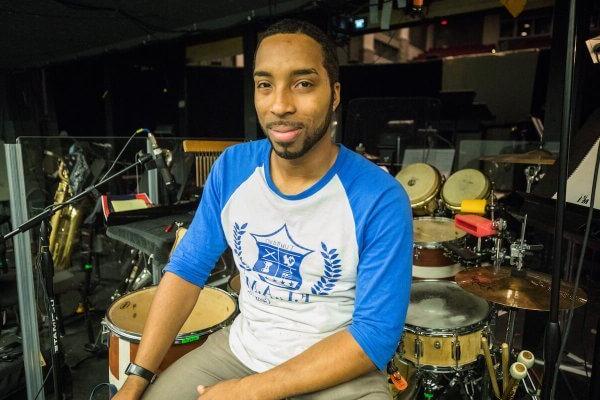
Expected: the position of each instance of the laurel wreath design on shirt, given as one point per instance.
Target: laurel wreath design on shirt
(332, 271)
(238, 232)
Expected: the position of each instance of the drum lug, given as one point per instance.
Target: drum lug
(456, 350)
(400, 349)
(418, 349)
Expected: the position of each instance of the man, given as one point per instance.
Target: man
(322, 239)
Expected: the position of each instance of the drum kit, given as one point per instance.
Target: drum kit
(464, 279)
(460, 284)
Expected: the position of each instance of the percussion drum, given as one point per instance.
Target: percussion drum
(234, 285)
(429, 256)
(462, 185)
(125, 319)
(444, 326)
(422, 183)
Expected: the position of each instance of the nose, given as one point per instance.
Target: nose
(283, 103)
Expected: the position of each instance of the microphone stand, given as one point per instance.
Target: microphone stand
(47, 268)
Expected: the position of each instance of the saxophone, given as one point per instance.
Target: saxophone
(65, 222)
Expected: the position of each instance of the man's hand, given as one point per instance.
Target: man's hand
(132, 389)
(233, 389)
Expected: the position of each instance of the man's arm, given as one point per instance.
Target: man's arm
(172, 304)
(334, 360)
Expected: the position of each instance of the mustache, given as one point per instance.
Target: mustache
(292, 124)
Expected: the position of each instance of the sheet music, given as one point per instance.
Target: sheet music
(579, 184)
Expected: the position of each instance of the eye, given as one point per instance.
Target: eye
(263, 85)
(304, 84)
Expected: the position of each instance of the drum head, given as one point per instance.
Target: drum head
(443, 305)
(421, 181)
(464, 185)
(430, 231)
(129, 313)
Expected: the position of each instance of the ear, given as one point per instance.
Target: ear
(336, 95)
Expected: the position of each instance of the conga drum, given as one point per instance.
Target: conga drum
(422, 183)
(466, 184)
(125, 319)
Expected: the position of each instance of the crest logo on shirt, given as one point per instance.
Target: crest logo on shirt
(279, 259)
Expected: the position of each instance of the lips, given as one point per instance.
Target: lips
(284, 134)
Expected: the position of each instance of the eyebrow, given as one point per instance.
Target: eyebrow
(297, 72)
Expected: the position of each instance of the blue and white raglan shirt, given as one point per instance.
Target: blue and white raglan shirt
(336, 256)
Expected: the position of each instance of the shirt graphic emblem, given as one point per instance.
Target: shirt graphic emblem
(279, 259)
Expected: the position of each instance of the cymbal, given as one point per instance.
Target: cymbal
(539, 156)
(530, 291)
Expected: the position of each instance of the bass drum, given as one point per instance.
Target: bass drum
(444, 326)
(466, 184)
(422, 183)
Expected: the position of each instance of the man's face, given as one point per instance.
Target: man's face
(292, 93)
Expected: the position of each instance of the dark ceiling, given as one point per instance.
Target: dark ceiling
(39, 32)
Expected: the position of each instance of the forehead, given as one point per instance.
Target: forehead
(288, 50)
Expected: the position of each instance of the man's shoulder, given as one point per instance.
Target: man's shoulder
(363, 177)
(246, 154)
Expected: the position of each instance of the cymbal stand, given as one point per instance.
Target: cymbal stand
(498, 257)
(518, 251)
(532, 174)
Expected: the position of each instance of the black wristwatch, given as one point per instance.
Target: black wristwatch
(134, 369)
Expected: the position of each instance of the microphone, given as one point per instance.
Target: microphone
(158, 155)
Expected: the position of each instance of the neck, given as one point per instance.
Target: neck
(294, 176)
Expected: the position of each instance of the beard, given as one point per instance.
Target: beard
(311, 137)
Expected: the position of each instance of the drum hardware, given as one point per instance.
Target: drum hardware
(532, 174)
(493, 203)
(456, 350)
(144, 277)
(418, 350)
(129, 276)
(499, 253)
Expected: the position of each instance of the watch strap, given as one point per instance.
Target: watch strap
(134, 369)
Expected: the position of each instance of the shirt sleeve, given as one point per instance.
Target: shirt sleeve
(384, 277)
(204, 241)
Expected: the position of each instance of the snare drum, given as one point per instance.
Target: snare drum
(466, 184)
(125, 319)
(422, 183)
(429, 255)
(444, 326)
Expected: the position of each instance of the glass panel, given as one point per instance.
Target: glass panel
(57, 168)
